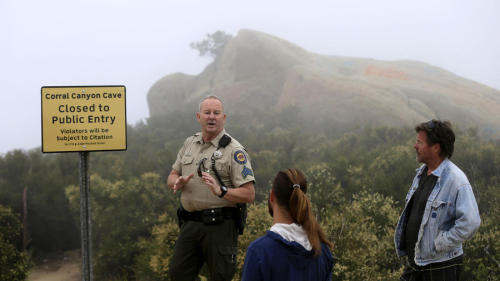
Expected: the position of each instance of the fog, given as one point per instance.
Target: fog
(135, 43)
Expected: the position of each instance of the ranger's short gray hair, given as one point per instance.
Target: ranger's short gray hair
(210, 97)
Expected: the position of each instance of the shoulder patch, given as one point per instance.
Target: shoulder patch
(240, 157)
(246, 172)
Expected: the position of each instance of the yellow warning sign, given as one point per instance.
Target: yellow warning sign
(83, 118)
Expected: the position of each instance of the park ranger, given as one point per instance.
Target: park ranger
(214, 174)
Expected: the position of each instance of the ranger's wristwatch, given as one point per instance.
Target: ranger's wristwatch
(223, 190)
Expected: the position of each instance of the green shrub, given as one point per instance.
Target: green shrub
(13, 265)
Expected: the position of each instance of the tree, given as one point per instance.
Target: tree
(323, 189)
(213, 44)
(13, 265)
(44, 177)
(123, 213)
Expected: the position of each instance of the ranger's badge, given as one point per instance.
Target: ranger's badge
(217, 154)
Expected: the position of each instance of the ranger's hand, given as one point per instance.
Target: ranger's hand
(211, 182)
(181, 181)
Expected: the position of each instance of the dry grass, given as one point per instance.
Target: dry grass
(65, 268)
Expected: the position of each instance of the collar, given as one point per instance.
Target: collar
(438, 171)
(214, 142)
(292, 233)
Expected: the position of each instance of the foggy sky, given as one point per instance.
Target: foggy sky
(135, 43)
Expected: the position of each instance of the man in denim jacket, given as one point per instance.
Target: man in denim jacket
(440, 211)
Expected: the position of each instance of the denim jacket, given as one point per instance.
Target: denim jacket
(450, 217)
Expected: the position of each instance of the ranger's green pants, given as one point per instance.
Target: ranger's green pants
(216, 245)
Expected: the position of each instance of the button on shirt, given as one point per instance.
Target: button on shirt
(232, 164)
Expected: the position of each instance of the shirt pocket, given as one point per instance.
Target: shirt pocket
(437, 208)
(438, 216)
(431, 230)
(187, 160)
(187, 165)
(223, 169)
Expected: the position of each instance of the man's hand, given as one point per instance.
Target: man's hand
(180, 182)
(245, 193)
(211, 182)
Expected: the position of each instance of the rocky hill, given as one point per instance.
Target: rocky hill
(258, 72)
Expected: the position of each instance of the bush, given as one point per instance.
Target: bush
(482, 252)
(123, 213)
(13, 265)
(361, 232)
(153, 263)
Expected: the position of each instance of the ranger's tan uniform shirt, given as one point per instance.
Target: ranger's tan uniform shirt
(232, 164)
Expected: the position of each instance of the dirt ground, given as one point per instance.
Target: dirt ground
(66, 267)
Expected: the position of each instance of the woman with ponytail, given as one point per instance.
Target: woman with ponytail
(295, 248)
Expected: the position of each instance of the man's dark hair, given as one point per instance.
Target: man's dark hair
(439, 132)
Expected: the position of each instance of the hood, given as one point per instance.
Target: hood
(294, 239)
(292, 233)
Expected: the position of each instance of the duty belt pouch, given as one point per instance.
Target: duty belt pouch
(241, 217)
(212, 216)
